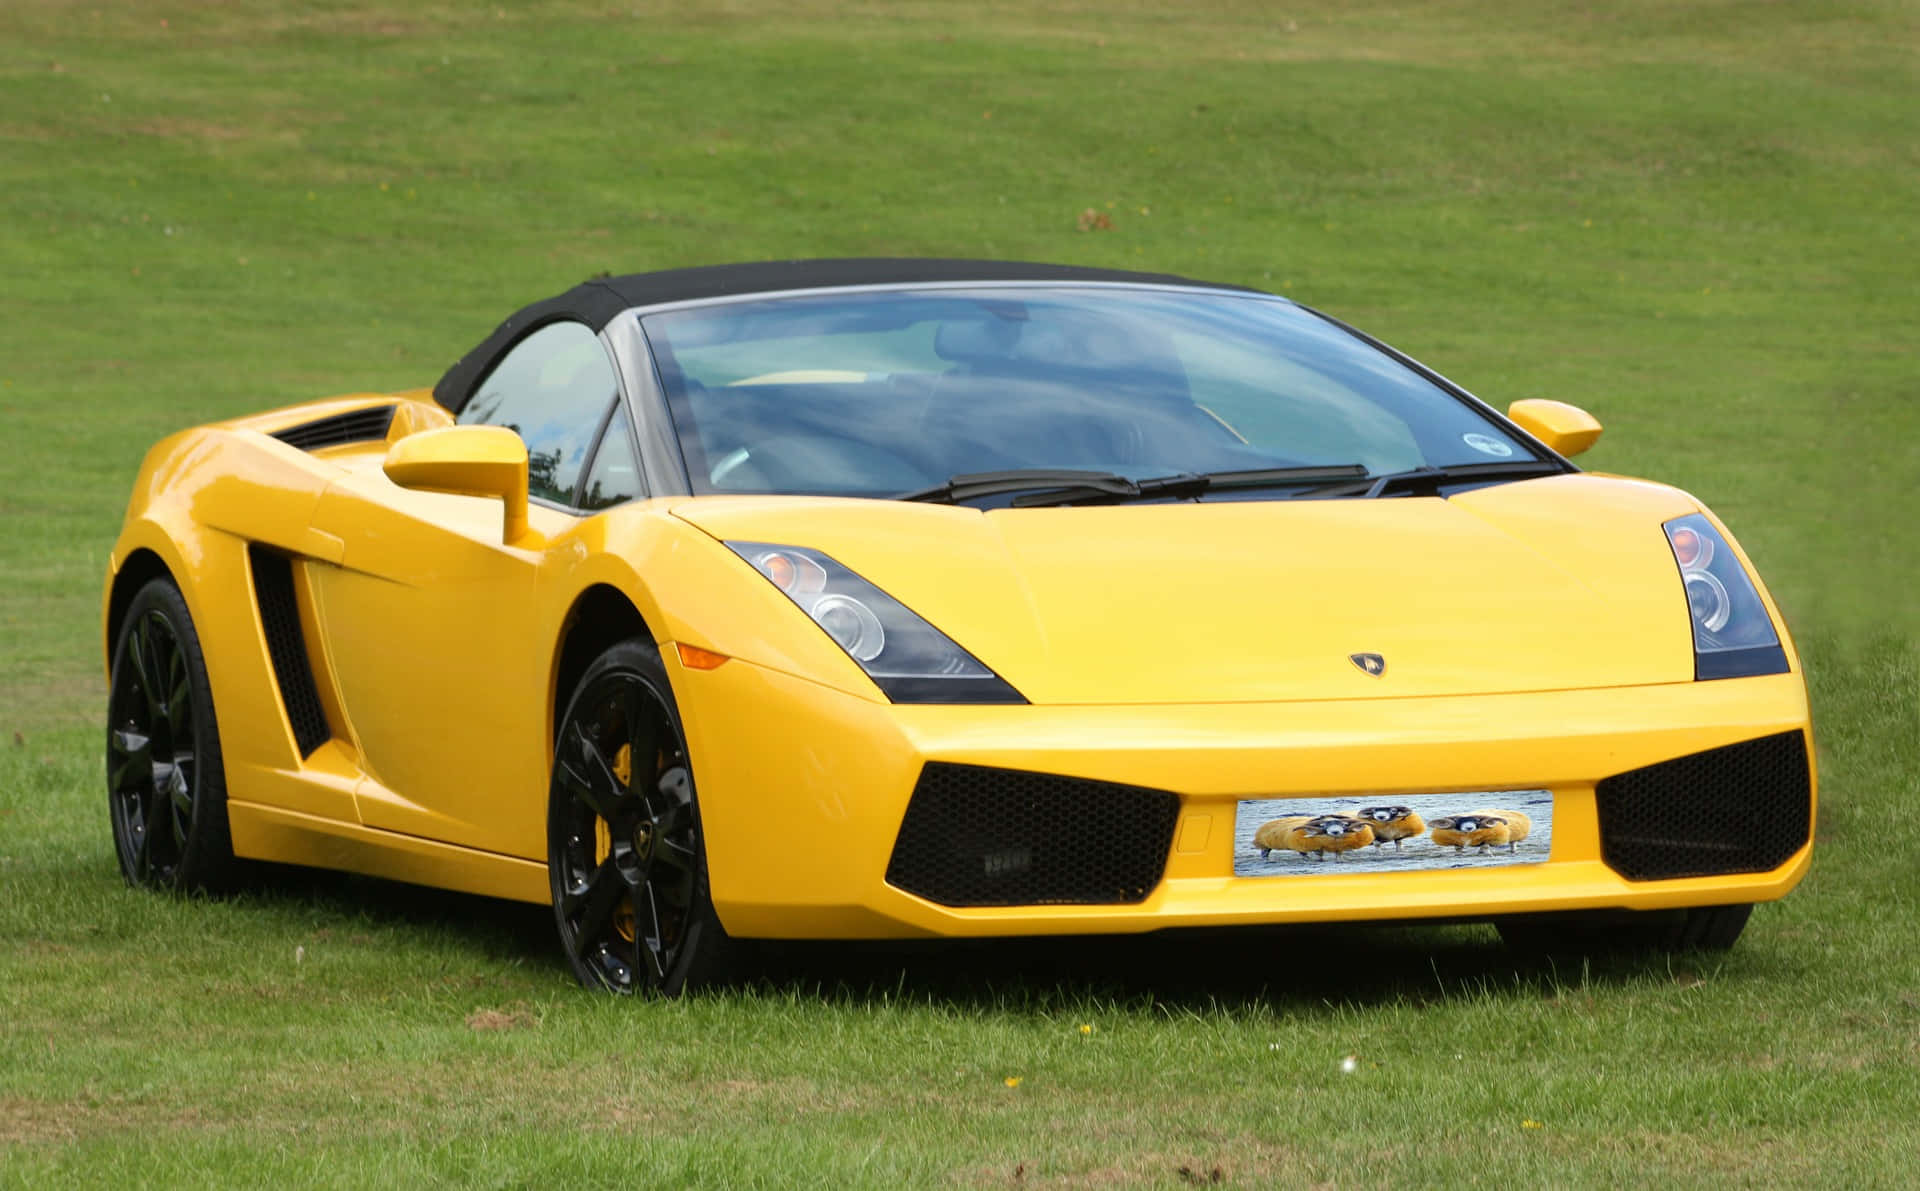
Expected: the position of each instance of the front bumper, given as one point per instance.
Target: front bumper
(803, 789)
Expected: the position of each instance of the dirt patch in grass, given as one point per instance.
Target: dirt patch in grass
(23, 1120)
(514, 1017)
(26, 1120)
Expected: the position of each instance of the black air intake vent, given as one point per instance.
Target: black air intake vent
(359, 425)
(975, 836)
(287, 647)
(1744, 808)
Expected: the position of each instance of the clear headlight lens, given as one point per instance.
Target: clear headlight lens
(1733, 636)
(906, 657)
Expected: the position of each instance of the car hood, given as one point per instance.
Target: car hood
(1545, 584)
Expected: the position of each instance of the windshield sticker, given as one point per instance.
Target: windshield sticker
(1486, 444)
(1275, 837)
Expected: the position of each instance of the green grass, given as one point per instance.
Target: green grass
(1695, 220)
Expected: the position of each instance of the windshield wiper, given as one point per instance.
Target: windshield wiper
(1054, 481)
(1258, 477)
(1430, 479)
(1038, 487)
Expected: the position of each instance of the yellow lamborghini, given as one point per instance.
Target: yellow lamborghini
(894, 598)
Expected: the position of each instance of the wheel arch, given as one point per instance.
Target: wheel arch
(601, 616)
(140, 567)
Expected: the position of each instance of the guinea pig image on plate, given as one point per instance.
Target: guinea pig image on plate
(1477, 830)
(1392, 823)
(1271, 836)
(1519, 826)
(1325, 833)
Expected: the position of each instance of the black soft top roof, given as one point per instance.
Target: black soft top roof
(598, 301)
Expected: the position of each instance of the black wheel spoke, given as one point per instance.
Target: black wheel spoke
(179, 799)
(591, 778)
(138, 653)
(129, 757)
(589, 906)
(673, 800)
(646, 737)
(675, 854)
(652, 943)
(155, 659)
(140, 823)
(179, 696)
(609, 967)
(672, 874)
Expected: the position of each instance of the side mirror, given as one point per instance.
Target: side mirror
(466, 461)
(1567, 429)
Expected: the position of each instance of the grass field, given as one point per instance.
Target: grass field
(1697, 220)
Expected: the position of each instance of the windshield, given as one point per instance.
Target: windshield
(887, 393)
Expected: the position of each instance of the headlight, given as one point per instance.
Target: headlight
(906, 657)
(1733, 636)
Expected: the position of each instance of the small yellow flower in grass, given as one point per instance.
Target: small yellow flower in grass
(1530, 1123)
(1012, 1081)
(383, 185)
(1085, 1029)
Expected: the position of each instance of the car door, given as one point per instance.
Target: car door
(430, 623)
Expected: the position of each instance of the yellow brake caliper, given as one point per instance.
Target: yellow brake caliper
(623, 920)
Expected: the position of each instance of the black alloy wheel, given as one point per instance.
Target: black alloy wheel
(166, 788)
(625, 856)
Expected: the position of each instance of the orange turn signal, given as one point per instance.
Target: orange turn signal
(1686, 547)
(779, 569)
(695, 658)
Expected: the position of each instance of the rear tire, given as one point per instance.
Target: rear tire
(1698, 928)
(626, 857)
(166, 786)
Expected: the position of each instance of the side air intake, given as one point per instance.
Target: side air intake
(358, 425)
(287, 648)
(1744, 808)
(975, 836)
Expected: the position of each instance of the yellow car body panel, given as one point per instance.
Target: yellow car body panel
(435, 646)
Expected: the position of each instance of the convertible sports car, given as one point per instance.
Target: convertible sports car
(892, 598)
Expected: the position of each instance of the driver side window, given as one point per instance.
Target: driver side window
(552, 389)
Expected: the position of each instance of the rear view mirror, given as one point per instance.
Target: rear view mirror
(466, 461)
(1567, 429)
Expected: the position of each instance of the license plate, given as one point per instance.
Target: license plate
(1275, 837)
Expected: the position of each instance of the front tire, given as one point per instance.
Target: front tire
(166, 786)
(625, 855)
(1630, 932)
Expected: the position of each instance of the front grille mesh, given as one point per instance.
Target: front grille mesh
(1744, 808)
(976, 836)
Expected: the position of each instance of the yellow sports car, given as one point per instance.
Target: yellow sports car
(894, 598)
